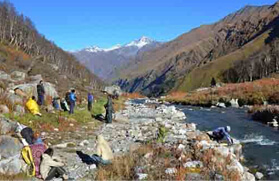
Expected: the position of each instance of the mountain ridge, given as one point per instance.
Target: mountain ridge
(106, 62)
(164, 69)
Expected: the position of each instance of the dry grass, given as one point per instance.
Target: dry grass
(122, 167)
(134, 95)
(125, 167)
(249, 93)
(20, 176)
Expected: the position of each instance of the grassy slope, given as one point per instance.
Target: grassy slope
(201, 76)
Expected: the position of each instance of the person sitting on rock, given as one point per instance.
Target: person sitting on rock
(103, 156)
(51, 167)
(103, 149)
(221, 133)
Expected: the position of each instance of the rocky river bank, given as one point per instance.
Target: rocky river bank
(188, 152)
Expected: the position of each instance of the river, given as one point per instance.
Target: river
(260, 142)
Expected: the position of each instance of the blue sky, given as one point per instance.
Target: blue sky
(75, 24)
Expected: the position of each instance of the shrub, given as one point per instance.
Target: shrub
(274, 98)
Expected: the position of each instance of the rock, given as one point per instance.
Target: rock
(12, 165)
(31, 89)
(158, 119)
(171, 171)
(223, 151)
(9, 146)
(6, 126)
(92, 167)
(148, 155)
(120, 117)
(4, 109)
(180, 147)
(17, 75)
(56, 129)
(191, 126)
(113, 90)
(193, 164)
(19, 109)
(221, 105)
(84, 143)
(15, 99)
(234, 103)
(218, 177)
(194, 176)
(248, 176)
(274, 123)
(182, 132)
(141, 176)
(36, 78)
(4, 76)
(179, 115)
(236, 166)
(64, 145)
(259, 175)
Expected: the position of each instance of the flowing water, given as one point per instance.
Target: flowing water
(260, 142)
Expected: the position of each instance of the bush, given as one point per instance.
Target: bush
(274, 98)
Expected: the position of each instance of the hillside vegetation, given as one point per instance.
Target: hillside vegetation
(241, 47)
(23, 48)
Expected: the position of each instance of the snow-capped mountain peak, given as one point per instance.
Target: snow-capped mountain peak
(112, 48)
(140, 42)
(93, 49)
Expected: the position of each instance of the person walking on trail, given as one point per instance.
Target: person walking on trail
(109, 110)
(73, 99)
(90, 99)
(52, 167)
(41, 93)
(221, 133)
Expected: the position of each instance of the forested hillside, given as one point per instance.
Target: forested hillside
(24, 48)
(242, 46)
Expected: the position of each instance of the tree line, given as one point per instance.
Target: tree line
(259, 66)
(19, 31)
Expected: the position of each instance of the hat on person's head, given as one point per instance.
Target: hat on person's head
(228, 128)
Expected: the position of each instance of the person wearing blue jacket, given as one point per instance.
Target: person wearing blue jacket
(73, 99)
(221, 133)
(90, 99)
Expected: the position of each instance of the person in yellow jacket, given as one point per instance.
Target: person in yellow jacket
(33, 107)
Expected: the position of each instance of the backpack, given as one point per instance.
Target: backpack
(28, 158)
(37, 151)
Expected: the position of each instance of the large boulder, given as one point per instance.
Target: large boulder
(113, 90)
(221, 105)
(14, 99)
(18, 109)
(4, 109)
(248, 176)
(234, 103)
(5, 76)
(36, 78)
(6, 126)
(9, 146)
(17, 75)
(31, 89)
(12, 165)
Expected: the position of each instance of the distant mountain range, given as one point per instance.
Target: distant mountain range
(106, 62)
